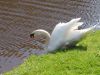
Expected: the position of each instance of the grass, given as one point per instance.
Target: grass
(84, 59)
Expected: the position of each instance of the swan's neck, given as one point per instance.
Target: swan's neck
(44, 33)
(47, 36)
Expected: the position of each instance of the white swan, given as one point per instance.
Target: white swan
(63, 34)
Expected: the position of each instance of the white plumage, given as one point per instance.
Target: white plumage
(63, 34)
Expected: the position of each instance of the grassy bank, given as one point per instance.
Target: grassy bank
(81, 60)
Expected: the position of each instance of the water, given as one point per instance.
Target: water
(20, 17)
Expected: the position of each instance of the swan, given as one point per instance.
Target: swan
(57, 37)
(63, 34)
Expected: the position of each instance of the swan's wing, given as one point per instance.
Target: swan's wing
(62, 28)
(77, 25)
(70, 24)
(76, 35)
(58, 35)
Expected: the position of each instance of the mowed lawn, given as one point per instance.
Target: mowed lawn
(84, 59)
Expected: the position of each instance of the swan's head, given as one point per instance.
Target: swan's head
(41, 36)
(36, 33)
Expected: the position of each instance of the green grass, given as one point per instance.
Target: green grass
(81, 60)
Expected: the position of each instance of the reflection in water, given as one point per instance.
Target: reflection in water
(19, 17)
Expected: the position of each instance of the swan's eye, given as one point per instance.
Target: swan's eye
(32, 35)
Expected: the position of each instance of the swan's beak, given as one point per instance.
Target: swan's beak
(32, 35)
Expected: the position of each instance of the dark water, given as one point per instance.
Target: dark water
(20, 17)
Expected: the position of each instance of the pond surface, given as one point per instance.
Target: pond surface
(20, 17)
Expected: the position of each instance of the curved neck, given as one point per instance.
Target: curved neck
(45, 34)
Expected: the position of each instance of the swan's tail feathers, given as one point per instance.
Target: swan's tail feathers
(87, 29)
